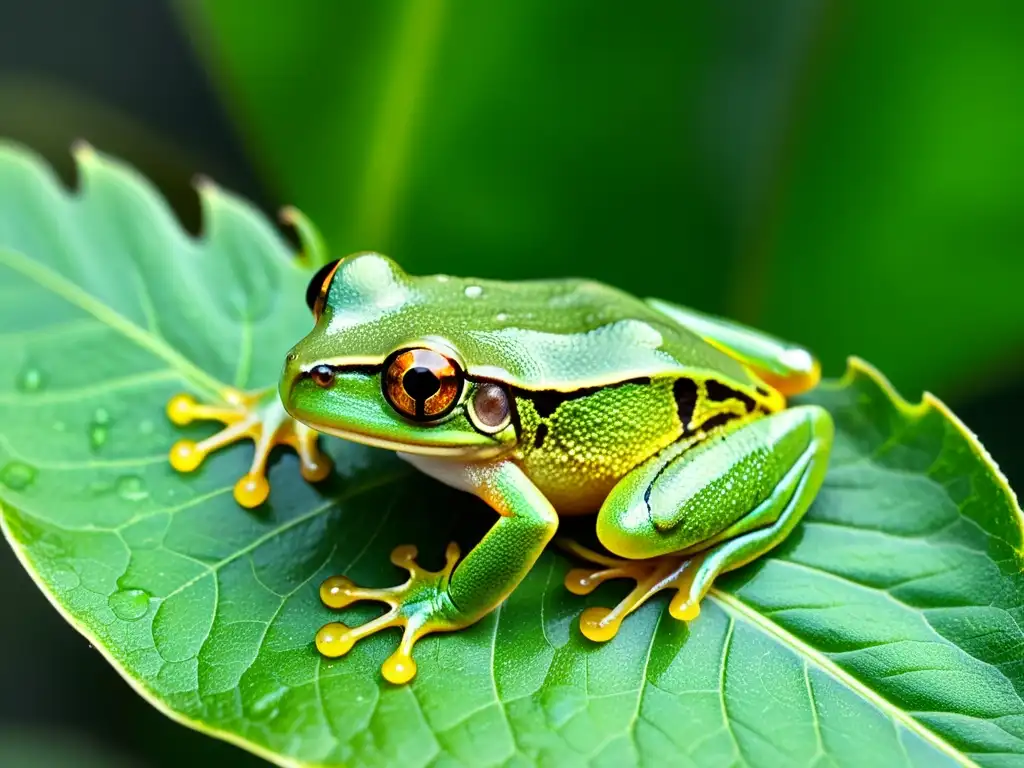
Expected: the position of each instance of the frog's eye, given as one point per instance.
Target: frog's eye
(422, 384)
(316, 291)
(489, 409)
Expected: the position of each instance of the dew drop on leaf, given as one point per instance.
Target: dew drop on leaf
(17, 475)
(132, 488)
(473, 291)
(129, 604)
(97, 435)
(265, 707)
(29, 380)
(99, 428)
(99, 487)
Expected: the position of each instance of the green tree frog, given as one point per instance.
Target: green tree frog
(545, 399)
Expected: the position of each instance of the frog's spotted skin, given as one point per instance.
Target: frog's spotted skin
(552, 398)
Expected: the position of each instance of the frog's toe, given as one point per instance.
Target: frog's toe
(600, 624)
(414, 608)
(669, 572)
(683, 607)
(258, 417)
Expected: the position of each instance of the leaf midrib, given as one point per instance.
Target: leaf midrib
(736, 608)
(60, 286)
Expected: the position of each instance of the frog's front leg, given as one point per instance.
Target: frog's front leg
(686, 516)
(259, 417)
(456, 596)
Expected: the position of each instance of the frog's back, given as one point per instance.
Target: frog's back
(538, 335)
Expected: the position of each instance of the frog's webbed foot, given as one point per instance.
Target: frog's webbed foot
(419, 606)
(259, 417)
(651, 576)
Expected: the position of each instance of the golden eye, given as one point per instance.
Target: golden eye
(316, 291)
(422, 384)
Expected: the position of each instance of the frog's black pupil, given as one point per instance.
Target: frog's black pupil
(316, 284)
(420, 383)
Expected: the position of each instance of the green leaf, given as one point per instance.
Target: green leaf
(885, 631)
(796, 166)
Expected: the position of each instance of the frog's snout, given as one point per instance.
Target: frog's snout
(289, 378)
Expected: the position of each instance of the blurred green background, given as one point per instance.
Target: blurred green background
(846, 174)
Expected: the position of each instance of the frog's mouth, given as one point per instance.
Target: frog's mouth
(466, 453)
(353, 409)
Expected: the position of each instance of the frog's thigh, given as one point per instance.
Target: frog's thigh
(732, 498)
(787, 367)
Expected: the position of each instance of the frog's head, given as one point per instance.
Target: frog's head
(378, 367)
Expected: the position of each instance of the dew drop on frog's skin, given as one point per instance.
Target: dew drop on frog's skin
(473, 291)
(129, 604)
(132, 488)
(17, 475)
(29, 380)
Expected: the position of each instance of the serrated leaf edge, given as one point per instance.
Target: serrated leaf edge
(917, 411)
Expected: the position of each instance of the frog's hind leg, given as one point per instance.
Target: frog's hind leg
(784, 366)
(651, 576)
(259, 417)
(682, 519)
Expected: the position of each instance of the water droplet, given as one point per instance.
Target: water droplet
(97, 436)
(501, 317)
(99, 487)
(265, 707)
(473, 291)
(442, 278)
(17, 475)
(30, 380)
(129, 604)
(99, 429)
(131, 488)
